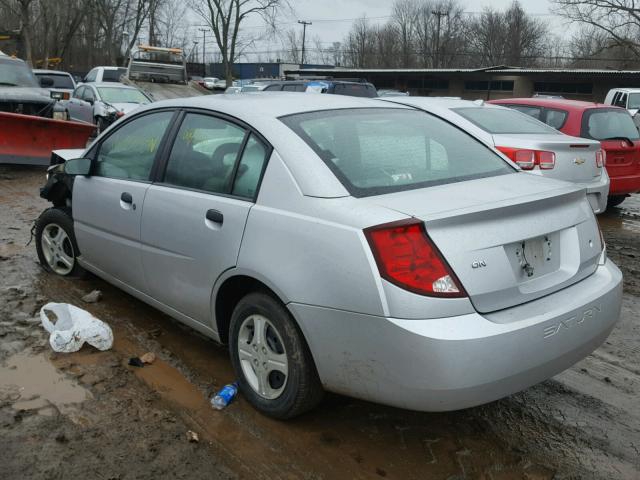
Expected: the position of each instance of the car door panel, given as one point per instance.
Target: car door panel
(107, 206)
(107, 228)
(183, 252)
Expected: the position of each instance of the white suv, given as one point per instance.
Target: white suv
(628, 98)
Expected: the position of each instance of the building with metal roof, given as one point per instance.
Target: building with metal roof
(489, 83)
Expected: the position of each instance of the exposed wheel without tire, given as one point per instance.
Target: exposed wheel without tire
(615, 200)
(56, 243)
(271, 359)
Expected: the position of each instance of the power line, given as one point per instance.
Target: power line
(304, 24)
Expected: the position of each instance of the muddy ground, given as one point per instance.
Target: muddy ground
(90, 415)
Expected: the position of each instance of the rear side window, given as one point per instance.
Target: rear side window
(608, 124)
(204, 154)
(555, 118)
(535, 112)
(130, 151)
(272, 88)
(250, 168)
(374, 151)
(113, 75)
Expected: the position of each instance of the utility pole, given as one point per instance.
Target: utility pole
(439, 14)
(304, 24)
(204, 61)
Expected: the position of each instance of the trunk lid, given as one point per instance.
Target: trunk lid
(575, 157)
(623, 158)
(510, 239)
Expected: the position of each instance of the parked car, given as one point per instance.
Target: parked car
(387, 92)
(103, 103)
(279, 86)
(233, 90)
(612, 126)
(339, 244)
(210, 82)
(104, 74)
(63, 83)
(533, 146)
(628, 98)
(341, 87)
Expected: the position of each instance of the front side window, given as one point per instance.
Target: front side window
(91, 76)
(503, 120)
(204, 154)
(608, 124)
(355, 90)
(130, 151)
(380, 150)
(79, 93)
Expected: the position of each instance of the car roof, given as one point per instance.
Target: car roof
(626, 90)
(8, 59)
(438, 105)
(110, 84)
(560, 103)
(50, 72)
(274, 105)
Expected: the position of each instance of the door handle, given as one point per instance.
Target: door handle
(126, 197)
(215, 216)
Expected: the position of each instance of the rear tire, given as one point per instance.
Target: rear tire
(615, 200)
(291, 388)
(56, 243)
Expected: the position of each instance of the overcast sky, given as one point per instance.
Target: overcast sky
(332, 19)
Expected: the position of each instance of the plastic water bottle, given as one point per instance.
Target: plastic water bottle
(225, 396)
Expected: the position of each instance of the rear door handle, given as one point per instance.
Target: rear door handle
(126, 197)
(215, 216)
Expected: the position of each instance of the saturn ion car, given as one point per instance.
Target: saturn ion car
(536, 147)
(338, 244)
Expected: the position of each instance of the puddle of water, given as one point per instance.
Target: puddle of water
(32, 382)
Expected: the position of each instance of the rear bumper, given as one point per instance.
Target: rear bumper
(462, 361)
(597, 193)
(623, 185)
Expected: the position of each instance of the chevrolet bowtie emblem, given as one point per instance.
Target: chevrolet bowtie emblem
(578, 161)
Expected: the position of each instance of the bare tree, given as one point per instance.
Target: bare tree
(403, 21)
(619, 19)
(225, 17)
(22, 9)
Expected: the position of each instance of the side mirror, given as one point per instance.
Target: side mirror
(90, 101)
(77, 166)
(46, 82)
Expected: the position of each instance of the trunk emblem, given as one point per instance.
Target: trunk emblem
(578, 161)
(479, 264)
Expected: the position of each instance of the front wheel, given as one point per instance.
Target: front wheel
(615, 200)
(101, 124)
(56, 243)
(271, 359)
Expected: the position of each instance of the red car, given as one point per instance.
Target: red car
(612, 126)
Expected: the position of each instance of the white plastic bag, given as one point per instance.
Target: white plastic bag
(74, 327)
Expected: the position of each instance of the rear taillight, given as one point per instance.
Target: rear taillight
(529, 159)
(408, 258)
(601, 158)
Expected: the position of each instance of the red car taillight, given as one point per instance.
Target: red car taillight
(529, 159)
(601, 158)
(408, 258)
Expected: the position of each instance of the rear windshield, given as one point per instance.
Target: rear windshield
(380, 150)
(122, 95)
(355, 90)
(113, 75)
(608, 124)
(59, 81)
(503, 120)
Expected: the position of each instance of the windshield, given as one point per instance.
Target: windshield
(122, 95)
(16, 74)
(604, 124)
(59, 81)
(380, 150)
(503, 120)
(634, 101)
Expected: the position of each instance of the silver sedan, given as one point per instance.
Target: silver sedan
(536, 147)
(338, 243)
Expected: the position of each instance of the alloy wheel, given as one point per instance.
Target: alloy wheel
(57, 249)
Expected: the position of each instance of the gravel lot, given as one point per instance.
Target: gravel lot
(90, 415)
